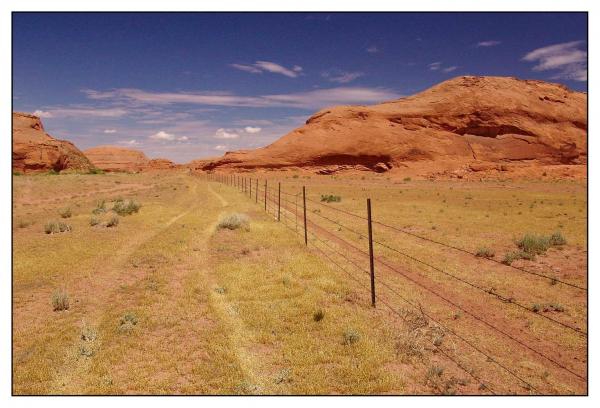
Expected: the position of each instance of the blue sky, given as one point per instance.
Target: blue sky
(185, 86)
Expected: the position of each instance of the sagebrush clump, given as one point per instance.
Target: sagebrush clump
(60, 300)
(234, 221)
(126, 207)
(53, 227)
(330, 198)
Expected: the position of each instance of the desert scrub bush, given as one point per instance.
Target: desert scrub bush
(17, 173)
(112, 221)
(406, 179)
(60, 300)
(510, 257)
(128, 322)
(330, 198)
(65, 213)
(318, 315)
(23, 224)
(234, 221)
(557, 239)
(100, 207)
(94, 221)
(485, 252)
(53, 227)
(126, 207)
(534, 244)
(351, 336)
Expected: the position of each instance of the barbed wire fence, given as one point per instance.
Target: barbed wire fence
(291, 210)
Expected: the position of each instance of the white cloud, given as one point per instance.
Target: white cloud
(110, 131)
(372, 49)
(450, 69)
(86, 111)
(434, 66)
(183, 138)
(341, 77)
(225, 134)
(267, 66)
(488, 43)
(131, 142)
(220, 147)
(162, 136)
(250, 129)
(567, 58)
(42, 114)
(314, 99)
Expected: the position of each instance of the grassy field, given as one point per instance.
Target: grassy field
(165, 301)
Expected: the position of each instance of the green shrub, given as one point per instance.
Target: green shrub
(351, 336)
(126, 207)
(330, 198)
(94, 221)
(17, 173)
(557, 239)
(510, 257)
(406, 179)
(53, 227)
(23, 224)
(60, 300)
(234, 221)
(318, 315)
(100, 207)
(485, 252)
(113, 221)
(128, 322)
(534, 244)
(65, 213)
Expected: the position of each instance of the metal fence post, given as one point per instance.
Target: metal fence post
(305, 229)
(265, 195)
(279, 202)
(256, 193)
(250, 187)
(371, 260)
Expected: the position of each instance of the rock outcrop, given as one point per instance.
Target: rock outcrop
(33, 150)
(478, 121)
(114, 158)
(161, 164)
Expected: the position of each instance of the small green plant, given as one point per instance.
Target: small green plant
(557, 239)
(65, 212)
(234, 221)
(23, 224)
(113, 221)
(53, 227)
(534, 244)
(485, 252)
(295, 176)
(128, 322)
(126, 207)
(60, 300)
(510, 257)
(536, 307)
(318, 315)
(221, 290)
(351, 336)
(94, 221)
(406, 179)
(330, 198)
(100, 207)
(17, 173)
(96, 171)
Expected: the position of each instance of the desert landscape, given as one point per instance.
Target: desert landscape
(431, 244)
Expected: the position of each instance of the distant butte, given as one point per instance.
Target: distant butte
(468, 123)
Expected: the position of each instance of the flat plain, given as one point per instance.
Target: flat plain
(165, 301)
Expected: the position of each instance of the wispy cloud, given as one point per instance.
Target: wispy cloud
(341, 77)
(372, 49)
(488, 43)
(109, 131)
(267, 66)
(250, 129)
(434, 66)
(314, 99)
(450, 69)
(567, 58)
(226, 134)
(220, 147)
(131, 142)
(83, 111)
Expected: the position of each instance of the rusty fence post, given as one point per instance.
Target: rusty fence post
(371, 259)
(305, 229)
(265, 195)
(256, 193)
(279, 202)
(250, 187)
